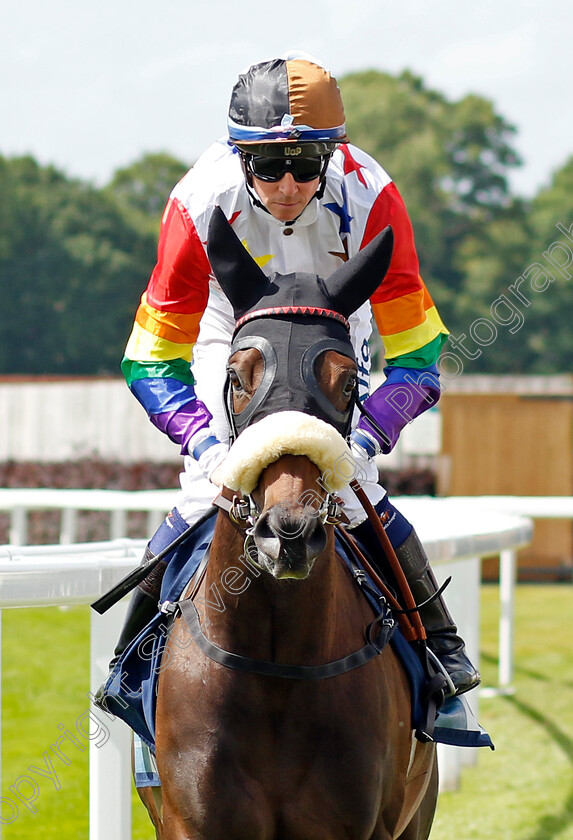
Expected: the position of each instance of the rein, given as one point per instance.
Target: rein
(412, 609)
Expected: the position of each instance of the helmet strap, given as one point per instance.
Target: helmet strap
(246, 171)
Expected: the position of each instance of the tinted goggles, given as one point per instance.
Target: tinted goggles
(302, 169)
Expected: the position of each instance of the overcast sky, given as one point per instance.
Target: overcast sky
(92, 86)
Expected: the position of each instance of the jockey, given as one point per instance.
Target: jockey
(301, 199)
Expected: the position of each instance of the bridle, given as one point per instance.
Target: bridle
(244, 513)
(273, 311)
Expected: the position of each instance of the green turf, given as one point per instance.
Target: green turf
(522, 791)
(45, 678)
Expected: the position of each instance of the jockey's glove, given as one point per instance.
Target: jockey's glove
(363, 444)
(363, 451)
(208, 451)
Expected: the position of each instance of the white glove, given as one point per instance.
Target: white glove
(211, 459)
(208, 451)
(362, 459)
(364, 442)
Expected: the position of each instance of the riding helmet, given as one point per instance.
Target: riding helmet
(288, 100)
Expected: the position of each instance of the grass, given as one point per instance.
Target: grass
(45, 678)
(522, 791)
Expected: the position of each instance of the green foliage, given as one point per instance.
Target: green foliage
(450, 161)
(549, 326)
(400, 124)
(73, 264)
(74, 259)
(553, 204)
(142, 188)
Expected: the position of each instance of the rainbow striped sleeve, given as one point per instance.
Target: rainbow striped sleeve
(410, 327)
(407, 319)
(158, 355)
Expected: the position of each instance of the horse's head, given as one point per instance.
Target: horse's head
(291, 348)
(292, 378)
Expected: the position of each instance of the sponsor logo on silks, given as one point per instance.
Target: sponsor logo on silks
(364, 362)
(292, 151)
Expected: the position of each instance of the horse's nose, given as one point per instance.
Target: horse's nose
(288, 540)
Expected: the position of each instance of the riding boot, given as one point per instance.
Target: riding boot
(142, 608)
(441, 631)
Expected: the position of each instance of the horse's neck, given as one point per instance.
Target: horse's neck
(252, 614)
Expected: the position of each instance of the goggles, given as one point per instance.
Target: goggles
(302, 169)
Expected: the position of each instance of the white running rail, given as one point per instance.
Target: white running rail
(19, 501)
(456, 533)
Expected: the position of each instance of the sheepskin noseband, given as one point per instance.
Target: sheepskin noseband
(288, 433)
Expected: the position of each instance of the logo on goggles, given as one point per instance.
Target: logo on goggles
(292, 151)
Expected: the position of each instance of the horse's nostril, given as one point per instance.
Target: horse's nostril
(316, 539)
(266, 540)
(263, 529)
(289, 540)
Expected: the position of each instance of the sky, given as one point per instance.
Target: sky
(91, 87)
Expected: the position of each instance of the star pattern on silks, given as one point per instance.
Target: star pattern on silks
(342, 254)
(260, 261)
(341, 210)
(351, 165)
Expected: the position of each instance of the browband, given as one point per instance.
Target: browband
(292, 310)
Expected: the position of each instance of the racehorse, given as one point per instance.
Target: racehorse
(276, 725)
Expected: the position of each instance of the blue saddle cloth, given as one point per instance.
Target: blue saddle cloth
(131, 690)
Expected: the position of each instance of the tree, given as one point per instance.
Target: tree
(74, 259)
(449, 160)
(525, 260)
(71, 276)
(143, 187)
(551, 246)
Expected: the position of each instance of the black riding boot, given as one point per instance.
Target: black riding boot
(142, 608)
(441, 631)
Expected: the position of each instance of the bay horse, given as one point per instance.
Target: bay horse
(261, 732)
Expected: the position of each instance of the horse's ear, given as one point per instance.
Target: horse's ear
(238, 274)
(352, 284)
